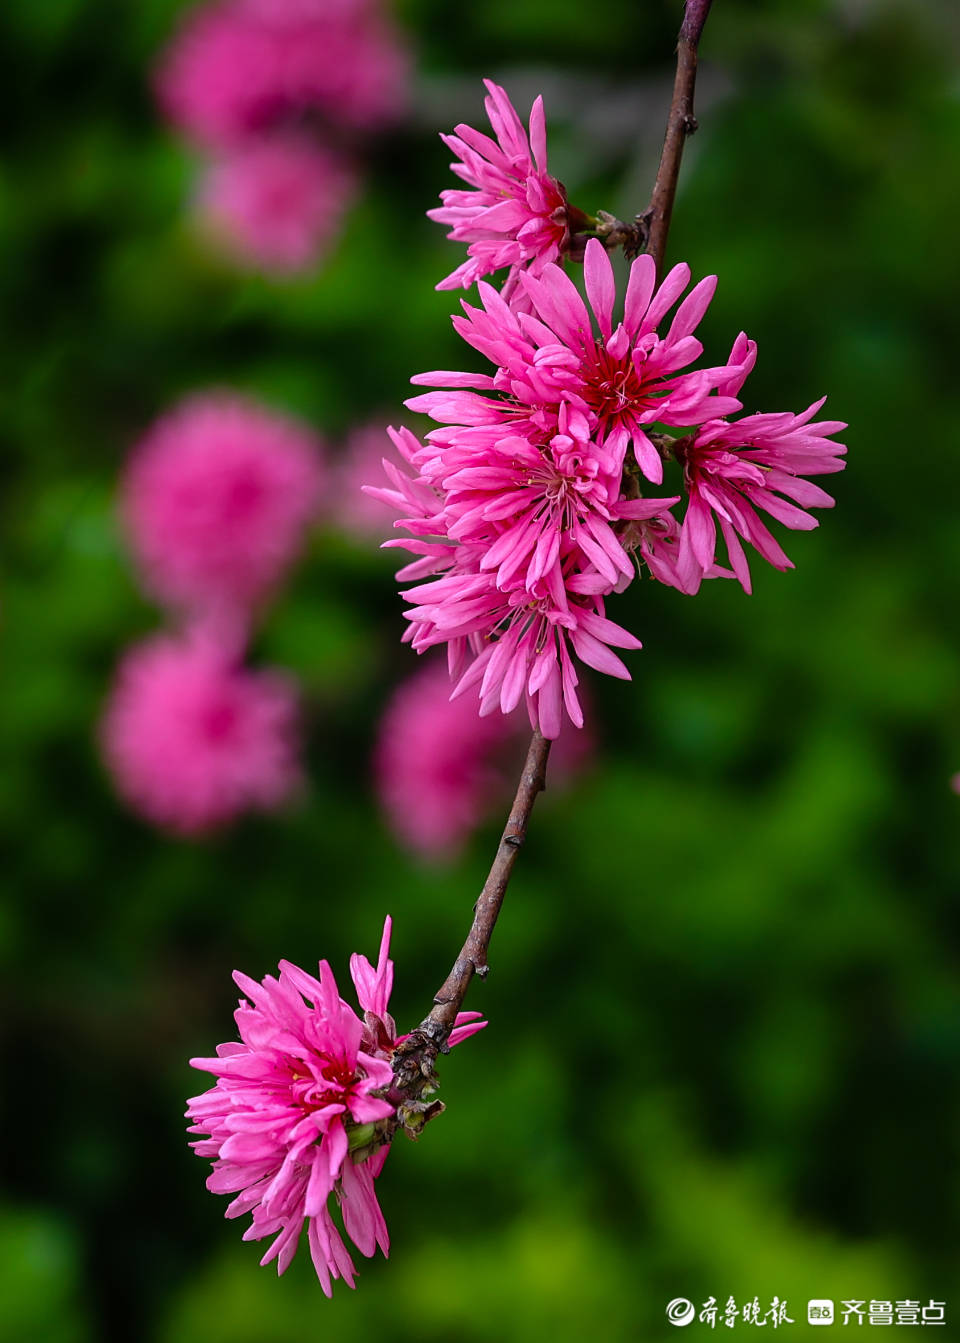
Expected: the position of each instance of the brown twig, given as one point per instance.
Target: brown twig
(414, 1059)
(473, 955)
(680, 123)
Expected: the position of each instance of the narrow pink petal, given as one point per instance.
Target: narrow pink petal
(738, 559)
(670, 290)
(598, 655)
(609, 633)
(550, 704)
(600, 286)
(643, 277)
(538, 134)
(692, 309)
(362, 1218)
(321, 1263)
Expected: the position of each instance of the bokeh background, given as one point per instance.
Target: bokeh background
(724, 1050)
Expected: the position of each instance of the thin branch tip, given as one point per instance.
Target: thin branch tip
(681, 122)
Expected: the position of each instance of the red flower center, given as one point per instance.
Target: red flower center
(613, 388)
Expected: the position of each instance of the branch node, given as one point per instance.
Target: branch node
(515, 841)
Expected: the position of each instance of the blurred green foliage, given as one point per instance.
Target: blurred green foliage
(724, 1049)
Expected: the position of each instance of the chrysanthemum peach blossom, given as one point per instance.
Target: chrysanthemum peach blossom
(516, 506)
(242, 66)
(193, 739)
(217, 499)
(733, 468)
(515, 213)
(623, 380)
(277, 201)
(291, 1120)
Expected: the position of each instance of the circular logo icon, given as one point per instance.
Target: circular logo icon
(681, 1311)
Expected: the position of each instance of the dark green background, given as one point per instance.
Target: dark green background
(725, 1009)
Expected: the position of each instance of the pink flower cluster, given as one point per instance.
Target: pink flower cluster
(296, 1117)
(270, 90)
(527, 507)
(216, 501)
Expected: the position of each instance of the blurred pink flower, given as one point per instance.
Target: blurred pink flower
(442, 770)
(515, 213)
(193, 739)
(241, 66)
(292, 1117)
(278, 201)
(216, 501)
(436, 763)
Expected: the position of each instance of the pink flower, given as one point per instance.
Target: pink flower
(241, 66)
(278, 200)
(192, 739)
(733, 468)
(217, 499)
(622, 381)
(516, 214)
(293, 1116)
(442, 771)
